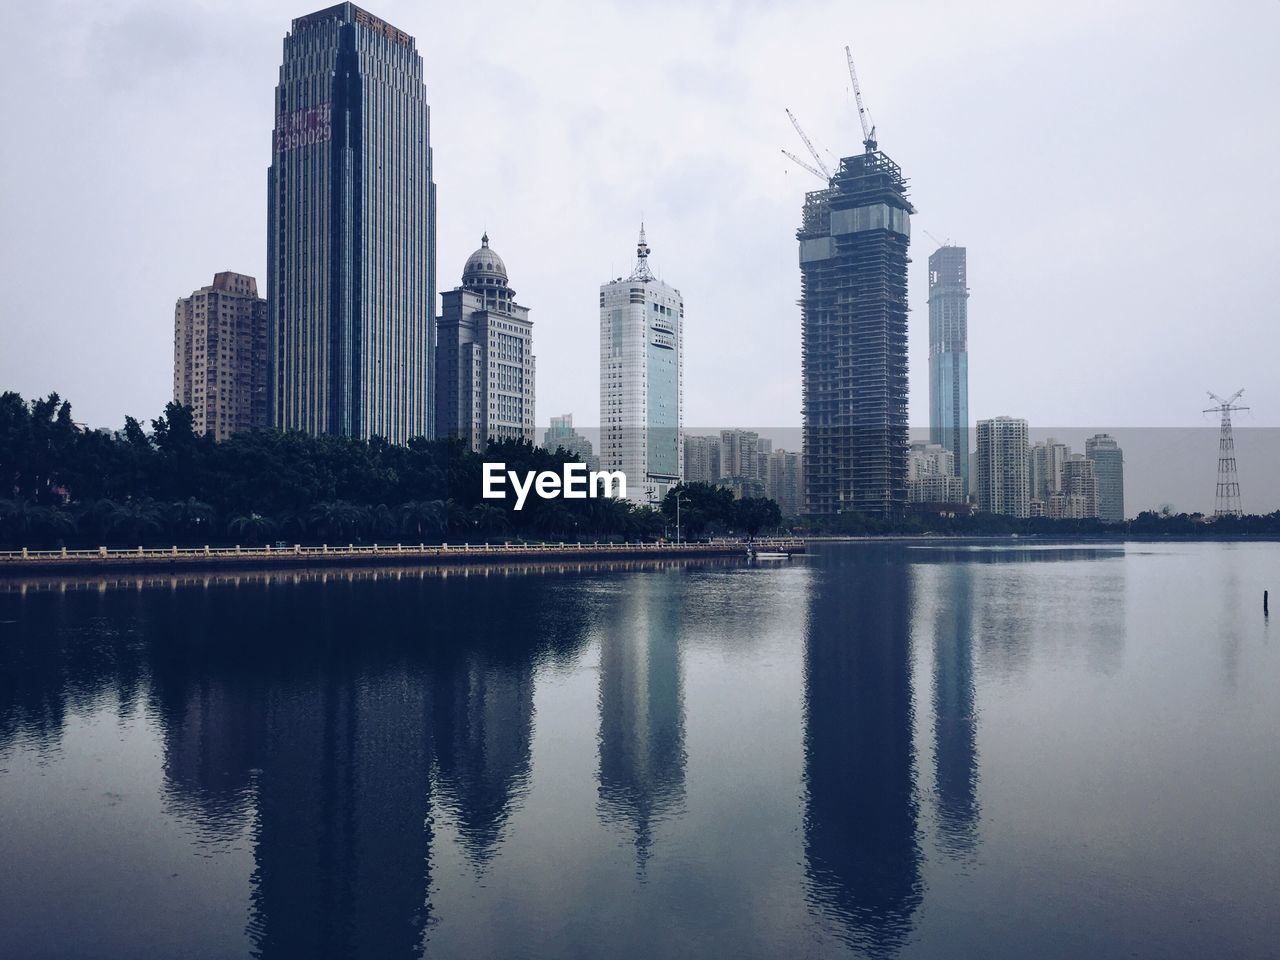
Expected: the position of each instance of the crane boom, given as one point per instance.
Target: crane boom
(806, 166)
(864, 115)
(809, 144)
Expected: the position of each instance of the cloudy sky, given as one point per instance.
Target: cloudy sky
(1110, 167)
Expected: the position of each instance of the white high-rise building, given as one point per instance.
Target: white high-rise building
(642, 380)
(1003, 482)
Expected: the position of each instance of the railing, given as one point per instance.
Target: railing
(399, 550)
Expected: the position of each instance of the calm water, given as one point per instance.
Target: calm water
(875, 751)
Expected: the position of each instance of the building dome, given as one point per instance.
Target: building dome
(484, 267)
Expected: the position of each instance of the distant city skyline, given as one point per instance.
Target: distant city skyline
(113, 73)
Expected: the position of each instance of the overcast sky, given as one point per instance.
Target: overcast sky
(1111, 168)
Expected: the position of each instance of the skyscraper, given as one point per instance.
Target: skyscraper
(1079, 487)
(562, 436)
(485, 364)
(1003, 484)
(701, 459)
(739, 454)
(1108, 466)
(642, 380)
(784, 481)
(1046, 463)
(351, 214)
(853, 265)
(949, 354)
(220, 355)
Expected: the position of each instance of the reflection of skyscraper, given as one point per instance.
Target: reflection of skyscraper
(955, 733)
(343, 832)
(482, 726)
(642, 756)
(862, 856)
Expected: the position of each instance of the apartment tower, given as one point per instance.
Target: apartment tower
(1108, 467)
(220, 355)
(1003, 481)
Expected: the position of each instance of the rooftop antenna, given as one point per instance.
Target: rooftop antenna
(864, 115)
(1226, 501)
(642, 271)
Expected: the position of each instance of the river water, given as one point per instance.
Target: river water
(877, 750)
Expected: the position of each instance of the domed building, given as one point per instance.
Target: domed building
(484, 357)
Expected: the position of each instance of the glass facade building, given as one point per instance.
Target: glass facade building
(351, 256)
(949, 355)
(1108, 463)
(642, 380)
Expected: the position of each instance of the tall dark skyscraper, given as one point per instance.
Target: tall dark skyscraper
(351, 215)
(853, 266)
(949, 354)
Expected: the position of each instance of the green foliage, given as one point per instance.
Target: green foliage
(64, 486)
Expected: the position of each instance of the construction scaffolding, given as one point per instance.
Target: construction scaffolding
(854, 240)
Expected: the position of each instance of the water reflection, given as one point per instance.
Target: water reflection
(642, 755)
(862, 853)
(324, 718)
(955, 732)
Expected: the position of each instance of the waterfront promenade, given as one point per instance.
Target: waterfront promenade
(22, 562)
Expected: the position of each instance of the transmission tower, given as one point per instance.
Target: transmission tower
(1226, 502)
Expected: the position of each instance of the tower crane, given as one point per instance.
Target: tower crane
(864, 115)
(817, 159)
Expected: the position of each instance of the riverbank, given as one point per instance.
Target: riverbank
(169, 559)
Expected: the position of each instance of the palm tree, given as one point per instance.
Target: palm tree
(25, 524)
(192, 520)
(135, 521)
(423, 519)
(337, 520)
(252, 528)
(380, 521)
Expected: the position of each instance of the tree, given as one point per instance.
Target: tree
(752, 514)
(423, 519)
(135, 522)
(252, 528)
(701, 506)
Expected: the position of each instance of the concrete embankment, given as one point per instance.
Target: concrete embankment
(27, 562)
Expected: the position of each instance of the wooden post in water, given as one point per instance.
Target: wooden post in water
(1265, 611)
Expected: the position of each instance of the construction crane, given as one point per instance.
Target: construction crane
(941, 243)
(804, 166)
(817, 159)
(864, 116)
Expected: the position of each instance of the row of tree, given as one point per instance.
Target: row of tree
(62, 485)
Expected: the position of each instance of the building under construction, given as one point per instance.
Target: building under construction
(853, 266)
